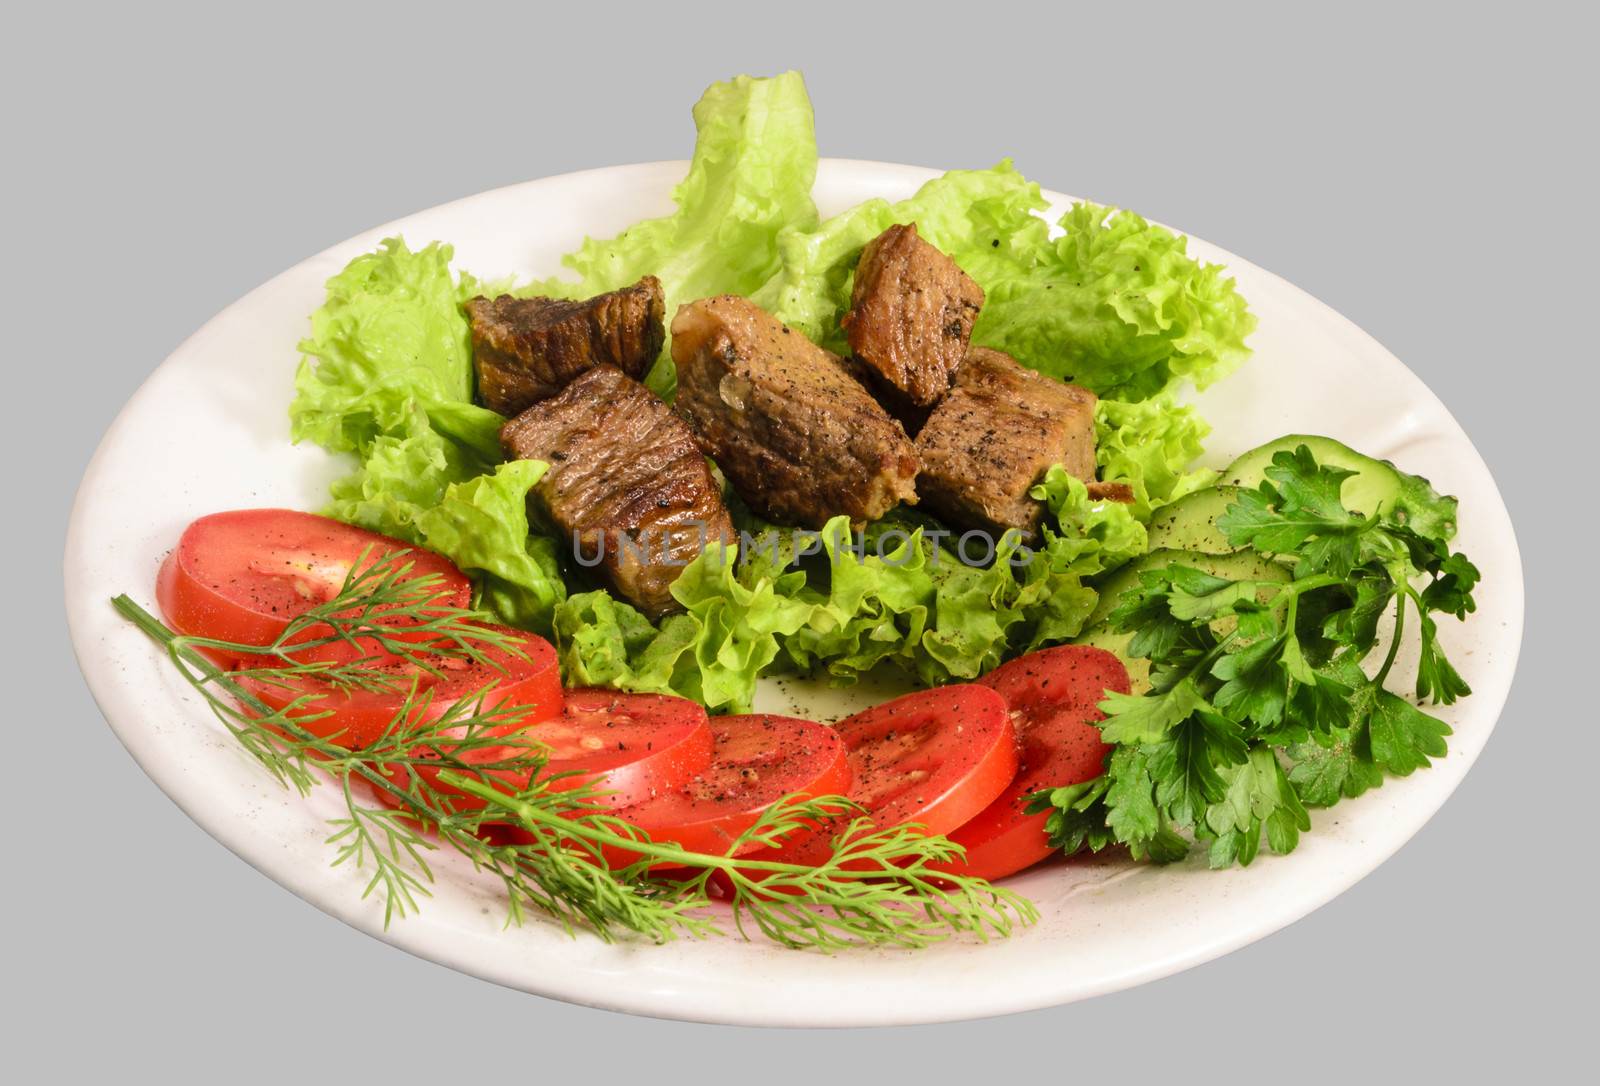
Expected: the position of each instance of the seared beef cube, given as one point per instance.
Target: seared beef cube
(627, 486)
(911, 317)
(994, 437)
(527, 349)
(1110, 492)
(796, 435)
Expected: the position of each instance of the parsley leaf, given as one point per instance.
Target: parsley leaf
(1258, 798)
(1255, 686)
(1147, 719)
(1403, 737)
(1195, 595)
(1451, 590)
(1300, 515)
(1077, 816)
(1331, 767)
(1259, 704)
(1185, 767)
(1324, 705)
(1437, 678)
(1117, 807)
(1130, 800)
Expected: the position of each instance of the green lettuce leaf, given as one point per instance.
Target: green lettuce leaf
(391, 320)
(875, 604)
(755, 158)
(983, 218)
(482, 526)
(898, 594)
(713, 652)
(599, 637)
(1086, 536)
(1149, 445)
(387, 377)
(1115, 303)
(891, 596)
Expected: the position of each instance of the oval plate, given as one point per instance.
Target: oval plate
(209, 431)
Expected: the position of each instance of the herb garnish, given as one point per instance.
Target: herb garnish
(876, 888)
(1259, 705)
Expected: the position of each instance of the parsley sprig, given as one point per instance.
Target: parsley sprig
(877, 888)
(1260, 705)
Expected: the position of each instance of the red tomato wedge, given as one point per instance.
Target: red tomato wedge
(935, 757)
(243, 576)
(1053, 695)
(755, 761)
(359, 717)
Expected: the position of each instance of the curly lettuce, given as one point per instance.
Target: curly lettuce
(983, 218)
(1089, 535)
(387, 377)
(1110, 301)
(896, 595)
(1114, 303)
(755, 159)
(713, 651)
(1117, 305)
(482, 526)
(1151, 446)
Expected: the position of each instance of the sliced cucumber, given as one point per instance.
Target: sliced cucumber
(1241, 566)
(1116, 643)
(1376, 487)
(1190, 523)
(1098, 631)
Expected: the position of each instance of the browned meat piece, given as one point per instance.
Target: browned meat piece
(911, 316)
(798, 437)
(1111, 492)
(527, 349)
(993, 437)
(627, 485)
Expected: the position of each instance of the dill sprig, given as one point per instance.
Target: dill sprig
(380, 610)
(878, 887)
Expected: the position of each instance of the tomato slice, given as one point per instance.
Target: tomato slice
(1053, 695)
(528, 677)
(935, 757)
(629, 747)
(242, 576)
(755, 761)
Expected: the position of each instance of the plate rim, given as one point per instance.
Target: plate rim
(616, 995)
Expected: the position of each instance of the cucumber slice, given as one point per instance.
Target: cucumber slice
(1098, 631)
(1116, 643)
(1376, 487)
(1240, 566)
(1190, 523)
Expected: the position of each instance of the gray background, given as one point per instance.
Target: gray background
(1425, 172)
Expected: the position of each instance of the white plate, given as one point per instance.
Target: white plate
(208, 431)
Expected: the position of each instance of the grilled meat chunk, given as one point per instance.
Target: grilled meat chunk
(994, 436)
(527, 349)
(911, 316)
(1110, 492)
(798, 437)
(627, 484)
